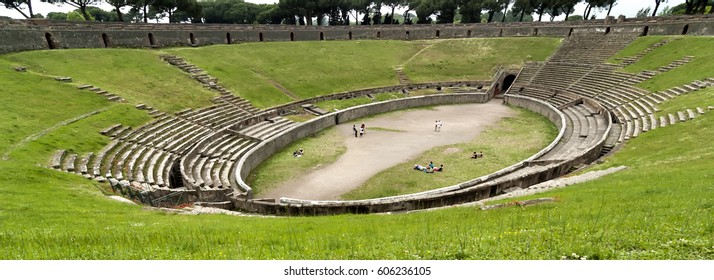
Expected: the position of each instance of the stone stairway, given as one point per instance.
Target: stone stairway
(625, 61)
(109, 96)
(674, 64)
(403, 79)
(202, 77)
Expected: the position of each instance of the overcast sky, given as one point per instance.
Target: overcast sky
(628, 8)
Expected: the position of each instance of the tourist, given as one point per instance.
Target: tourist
(361, 131)
(431, 164)
(439, 124)
(354, 128)
(363, 128)
(475, 155)
(440, 168)
(419, 167)
(436, 125)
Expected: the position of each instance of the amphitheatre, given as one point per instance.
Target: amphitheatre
(199, 116)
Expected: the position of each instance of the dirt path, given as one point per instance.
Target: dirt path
(380, 149)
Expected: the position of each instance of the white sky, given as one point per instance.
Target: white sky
(628, 8)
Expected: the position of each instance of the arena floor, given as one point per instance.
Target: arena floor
(381, 149)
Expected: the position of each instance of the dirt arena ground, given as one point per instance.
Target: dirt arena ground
(381, 149)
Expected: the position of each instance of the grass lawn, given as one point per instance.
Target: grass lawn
(322, 148)
(698, 68)
(139, 76)
(477, 58)
(511, 140)
(701, 98)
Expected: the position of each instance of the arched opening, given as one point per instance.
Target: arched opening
(192, 38)
(350, 34)
(500, 33)
(507, 82)
(105, 40)
(535, 31)
(408, 35)
(152, 42)
(379, 34)
(685, 29)
(438, 32)
(645, 31)
(50, 41)
(607, 30)
(260, 36)
(322, 36)
(228, 38)
(468, 33)
(292, 36)
(570, 32)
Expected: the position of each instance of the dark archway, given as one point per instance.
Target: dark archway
(350, 34)
(408, 35)
(500, 33)
(192, 38)
(438, 32)
(507, 82)
(50, 41)
(607, 30)
(645, 31)
(379, 34)
(228, 38)
(260, 36)
(152, 42)
(468, 33)
(685, 29)
(322, 36)
(535, 31)
(105, 40)
(292, 36)
(570, 32)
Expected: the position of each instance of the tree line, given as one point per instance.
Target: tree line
(343, 12)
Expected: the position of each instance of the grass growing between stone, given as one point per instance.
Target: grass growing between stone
(477, 58)
(320, 149)
(639, 45)
(511, 140)
(697, 69)
(306, 69)
(139, 76)
(701, 98)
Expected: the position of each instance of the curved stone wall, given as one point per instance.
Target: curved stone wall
(470, 191)
(22, 35)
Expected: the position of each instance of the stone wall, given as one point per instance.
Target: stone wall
(22, 35)
(476, 189)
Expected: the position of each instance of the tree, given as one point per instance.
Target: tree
(591, 4)
(505, 4)
(56, 16)
(17, 6)
(567, 7)
(118, 4)
(492, 6)
(470, 11)
(523, 7)
(643, 12)
(187, 9)
(657, 3)
(610, 4)
(79, 4)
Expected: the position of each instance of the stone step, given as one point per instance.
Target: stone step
(57, 159)
(110, 129)
(662, 121)
(700, 110)
(682, 117)
(84, 86)
(690, 114)
(672, 119)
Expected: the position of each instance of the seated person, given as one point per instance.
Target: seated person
(440, 168)
(480, 154)
(419, 167)
(475, 155)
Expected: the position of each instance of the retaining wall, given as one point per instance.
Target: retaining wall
(477, 189)
(22, 35)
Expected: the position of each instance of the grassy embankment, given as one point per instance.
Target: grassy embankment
(659, 208)
(139, 76)
(308, 69)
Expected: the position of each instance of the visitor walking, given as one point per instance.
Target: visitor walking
(354, 128)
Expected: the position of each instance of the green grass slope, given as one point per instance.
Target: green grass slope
(306, 69)
(700, 67)
(476, 59)
(139, 76)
